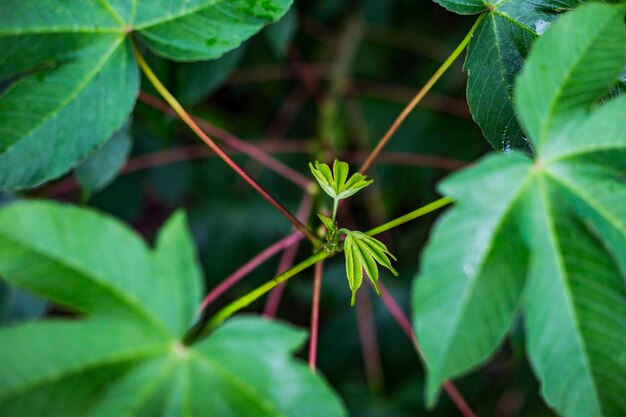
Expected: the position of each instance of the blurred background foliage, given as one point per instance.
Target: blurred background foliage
(324, 82)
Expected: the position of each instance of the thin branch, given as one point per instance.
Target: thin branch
(255, 294)
(418, 97)
(273, 300)
(428, 208)
(236, 143)
(355, 87)
(405, 324)
(185, 117)
(369, 342)
(287, 260)
(248, 267)
(315, 313)
(318, 256)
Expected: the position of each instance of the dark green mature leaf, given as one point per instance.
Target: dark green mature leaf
(133, 363)
(495, 56)
(553, 228)
(101, 168)
(78, 82)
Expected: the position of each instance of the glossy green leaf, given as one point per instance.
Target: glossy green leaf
(203, 29)
(551, 228)
(495, 56)
(78, 81)
(134, 363)
(103, 166)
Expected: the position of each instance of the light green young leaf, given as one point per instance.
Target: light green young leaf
(336, 183)
(552, 227)
(364, 252)
(78, 82)
(354, 267)
(327, 222)
(126, 356)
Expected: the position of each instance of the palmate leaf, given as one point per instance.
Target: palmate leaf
(74, 77)
(495, 56)
(336, 183)
(125, 356)
(552, 229)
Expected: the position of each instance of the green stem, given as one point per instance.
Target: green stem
(428, 208)
(419, 96)
(335, 205)
(255, 294)
(191, 123)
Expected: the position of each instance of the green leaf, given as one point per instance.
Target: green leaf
(336, 183)
(73, 79)
(464, 6)
(327, 222)
(281, 33)
(177, 263)
(552, 228)
(364, 252)
(101, 168)
(548, 93)
(203, 29)
(135, 363)
(49, 249)
(495, 56)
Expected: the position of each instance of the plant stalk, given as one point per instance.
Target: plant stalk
(255, 294)
(188, 120)
(428, 208)
(318, 256)
(419, 96)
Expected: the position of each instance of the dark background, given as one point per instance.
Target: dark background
(326, 81)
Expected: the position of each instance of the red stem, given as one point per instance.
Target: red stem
(191, 123)
(248, 267)
(369, 342)
(235, 143)
(405, 324)
(286, 262)
(315, 313)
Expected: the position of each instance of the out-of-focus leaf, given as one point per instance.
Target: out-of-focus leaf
(79, 80)
(552, 227)
(103, 166)
(495, 56)
(281, 33)
(242, 369)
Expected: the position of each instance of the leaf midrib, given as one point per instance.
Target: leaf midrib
(237, 381)
(488, 250)
(553, 237)
(549, 115)
(588, 200)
